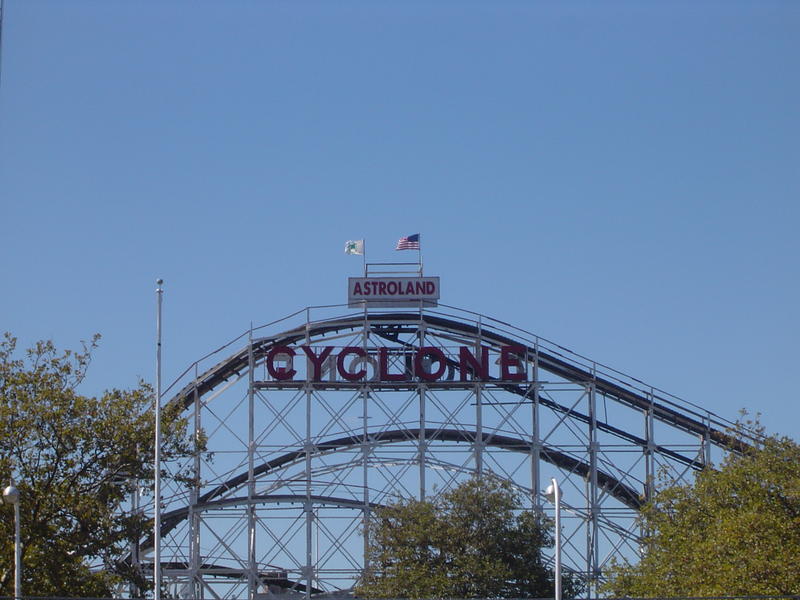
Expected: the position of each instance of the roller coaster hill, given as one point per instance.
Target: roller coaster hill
(315, 420)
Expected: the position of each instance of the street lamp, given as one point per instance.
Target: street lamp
(553, 494)
(11, 496)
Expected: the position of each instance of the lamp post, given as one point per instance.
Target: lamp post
(11, 496)
(553, 494)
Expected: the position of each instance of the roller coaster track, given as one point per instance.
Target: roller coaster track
(625, 494)
(568, 375)
(238, 363)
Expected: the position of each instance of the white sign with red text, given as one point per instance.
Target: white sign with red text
(392, 291)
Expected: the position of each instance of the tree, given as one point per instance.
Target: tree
(473, 541)
(75, 460)
(735, 531)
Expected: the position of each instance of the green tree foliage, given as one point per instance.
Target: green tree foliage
(735, 531)
(75, 460)
(474, 541)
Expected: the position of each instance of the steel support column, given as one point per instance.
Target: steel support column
(536, 446)
(308, 570)
(592, 550)
(194, 519)
(252, 567)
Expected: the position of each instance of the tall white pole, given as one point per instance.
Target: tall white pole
(17, 555)
(157, 467)
(1, 41)
(11, 496)
(553, 494)
(558, 541)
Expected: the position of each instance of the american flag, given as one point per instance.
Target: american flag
(410, 242)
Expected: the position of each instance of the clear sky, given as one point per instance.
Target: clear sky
(622, 178)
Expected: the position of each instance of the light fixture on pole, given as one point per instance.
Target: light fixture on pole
(11, 496)
(553, 494)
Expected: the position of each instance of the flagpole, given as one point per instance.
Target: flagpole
(419, 249)
(364, 255)
(157, 466)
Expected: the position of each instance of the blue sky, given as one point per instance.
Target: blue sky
(619, 177)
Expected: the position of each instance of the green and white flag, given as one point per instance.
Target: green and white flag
(354, 247)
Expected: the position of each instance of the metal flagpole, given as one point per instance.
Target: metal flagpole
(419, 255)
(157, 466)
(1, 41)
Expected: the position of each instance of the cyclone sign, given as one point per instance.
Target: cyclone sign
(426, 363)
